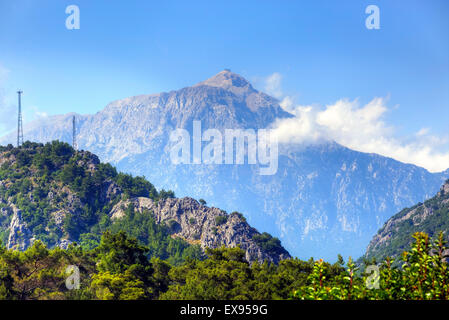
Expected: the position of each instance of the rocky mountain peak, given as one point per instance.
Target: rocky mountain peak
(228, 81)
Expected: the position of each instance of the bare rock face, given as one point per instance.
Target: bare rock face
(64, 244)
(109, 190)
(199, 224)
(58, 217)
(444, 191)
(19, 235)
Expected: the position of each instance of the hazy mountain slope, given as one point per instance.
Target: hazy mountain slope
(430, 217)
(324, 199)
(142, 123)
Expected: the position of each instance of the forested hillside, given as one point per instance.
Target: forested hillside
(119, 269)
(58, 195)
(62, 210)
(431, 217)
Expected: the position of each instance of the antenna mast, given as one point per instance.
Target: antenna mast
(74, 145)
(19, 122)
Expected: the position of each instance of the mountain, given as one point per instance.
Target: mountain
(57, 195)
(324, 199)
(430, 217)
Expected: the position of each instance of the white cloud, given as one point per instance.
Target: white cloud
(287, 104)
(6, 108)
(422, 132)
(3, 74)
(361, 128)
(32, 113)
(6, 112)
(273, 85)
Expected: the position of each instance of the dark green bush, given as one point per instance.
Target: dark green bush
(219, 220)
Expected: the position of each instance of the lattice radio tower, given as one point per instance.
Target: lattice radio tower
(19, 122)
(74, 144)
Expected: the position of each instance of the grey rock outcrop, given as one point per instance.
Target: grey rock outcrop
(64, 243)
(20, 236)
(197, 224)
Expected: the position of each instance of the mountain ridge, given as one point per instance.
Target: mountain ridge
(395, 236)
(321, 198)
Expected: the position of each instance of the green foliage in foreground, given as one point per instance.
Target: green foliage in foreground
(119, 268)
(423, 275)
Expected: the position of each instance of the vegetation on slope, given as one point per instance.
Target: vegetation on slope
(430, 217)
(119, 269)
(43, 179)
(66, 196)
(135, 258)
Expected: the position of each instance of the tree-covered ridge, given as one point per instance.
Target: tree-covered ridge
(119, 269)
(394, 237)
(43, 179)
(58, 195)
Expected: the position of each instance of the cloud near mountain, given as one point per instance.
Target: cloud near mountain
(8, 106)
(360, 128)
(5, 108)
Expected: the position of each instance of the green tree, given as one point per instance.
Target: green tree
(224, 275)
(124, 271)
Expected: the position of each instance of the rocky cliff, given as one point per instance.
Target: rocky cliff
(198, 224)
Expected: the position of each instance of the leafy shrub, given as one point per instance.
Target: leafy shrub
(267, 242)
(166, 194)
(240, 215)
(136, 186)
(219, 220)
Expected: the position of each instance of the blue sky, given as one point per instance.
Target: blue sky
(321, 49)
